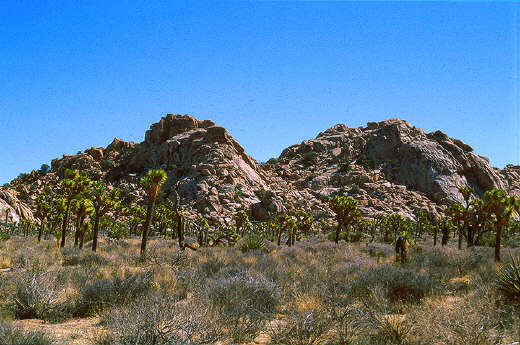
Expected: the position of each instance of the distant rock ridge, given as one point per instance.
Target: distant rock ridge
(388, 166)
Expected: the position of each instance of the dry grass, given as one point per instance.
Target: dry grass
(315, 292)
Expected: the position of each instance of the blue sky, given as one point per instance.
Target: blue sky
(76, 74)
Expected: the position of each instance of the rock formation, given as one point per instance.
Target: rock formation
(17, 209)
(388, 166)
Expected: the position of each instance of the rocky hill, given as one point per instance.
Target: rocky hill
(389, 166)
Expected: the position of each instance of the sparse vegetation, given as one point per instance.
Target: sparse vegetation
(314, 292)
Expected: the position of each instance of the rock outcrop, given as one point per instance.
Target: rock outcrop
(17, 210)
(388, 166)
(395, 166)
(213, 174)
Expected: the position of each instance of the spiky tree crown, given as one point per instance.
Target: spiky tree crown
(152, 182)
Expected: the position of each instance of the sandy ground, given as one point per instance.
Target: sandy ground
(73, 332)
(84, 331)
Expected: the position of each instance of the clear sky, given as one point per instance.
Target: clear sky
(75, 74)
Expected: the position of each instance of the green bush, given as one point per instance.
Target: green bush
(107, 164)
(4, 236)
(508, 280)
(344, 166)
(309, 158)
(355, 189)
(118, 231)
(251, 242)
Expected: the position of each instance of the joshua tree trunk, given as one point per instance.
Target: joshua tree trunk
(497, 242)
(40, 232)
(471, 234)
(460, 237)
(65, 224)
(79, 223)
(149, 213)
(338, 230)
(445, 235)
(180, 233)
(96, 230)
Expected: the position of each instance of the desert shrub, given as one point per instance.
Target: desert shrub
(508, 280)
(344, 166)
(464, 320)
(449, 262)
(397, 283)
(311, 177)
(107, 164)
(157, 319)
(13, 335)
(309, 158)
(211, 267)
(243, 302)
(74, 257)
(118, 231)
(4, 236)
(355, 189)
(70, 256)
(35, 294)
(118, 289)
(377, 249)
(251, 242)
(365, 162)
(302, 328)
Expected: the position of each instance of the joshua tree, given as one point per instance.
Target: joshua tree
(304, 221)
(456, 214)
(395, 222)
(503, 207)
(74, 184)
(467, 193)
(286, 223)
(480, 218)
(43, 210)
(7, 210)
(151, 183)
(85, 227)
(346, 213)
(421, 222)
(241, 221)
(203, 226)
(179, 219)
(102, 202)
(80, 207)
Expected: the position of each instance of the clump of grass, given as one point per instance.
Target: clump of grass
(119, 289)
(508, 280)
(302, 328)
(35, 294)
(158, 319)
(458, 320)
(251, 242)
(243, 302)
(448, 262)
(397, 283)
(13, 335)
